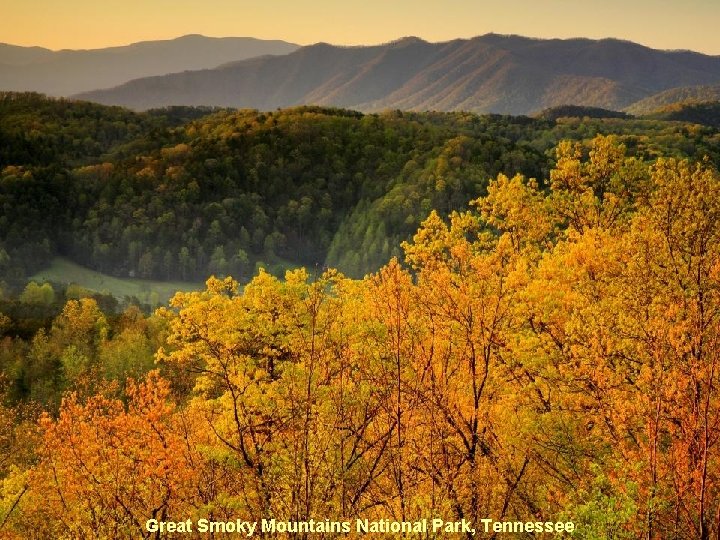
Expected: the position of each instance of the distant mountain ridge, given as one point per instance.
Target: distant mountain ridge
(490, 73)
(67, 72)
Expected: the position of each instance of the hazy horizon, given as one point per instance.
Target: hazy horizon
(82, 24)
(398, 38)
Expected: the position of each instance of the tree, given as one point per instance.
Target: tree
(105, 468)
(38, 294)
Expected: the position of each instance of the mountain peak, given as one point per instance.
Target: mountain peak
(190, 37)
(407, 40)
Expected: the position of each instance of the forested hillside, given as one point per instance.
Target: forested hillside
(676, 96)
(705, 113)
(184, 193)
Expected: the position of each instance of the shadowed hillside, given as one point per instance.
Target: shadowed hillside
(706, 114)
(687, 94)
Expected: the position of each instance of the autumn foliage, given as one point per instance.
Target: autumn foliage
(551, 353)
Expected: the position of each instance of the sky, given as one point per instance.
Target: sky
(86, 24)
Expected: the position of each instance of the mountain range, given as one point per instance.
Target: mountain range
(66, 72)
(490, 73)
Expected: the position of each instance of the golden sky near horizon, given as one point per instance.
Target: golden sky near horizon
(75, 24)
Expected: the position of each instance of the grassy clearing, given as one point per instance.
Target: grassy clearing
(146, 291)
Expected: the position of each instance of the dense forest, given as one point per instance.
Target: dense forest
(548, 353)
(184, 193)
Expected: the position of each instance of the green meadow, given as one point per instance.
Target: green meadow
(151, 292)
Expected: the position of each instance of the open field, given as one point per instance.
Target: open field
(150, 292)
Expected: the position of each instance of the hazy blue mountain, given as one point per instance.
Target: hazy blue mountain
(15, 55)
(490, 73)
(66, 72)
